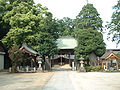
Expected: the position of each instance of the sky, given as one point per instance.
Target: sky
(71, 8)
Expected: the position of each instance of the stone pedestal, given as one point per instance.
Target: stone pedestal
(82, 69)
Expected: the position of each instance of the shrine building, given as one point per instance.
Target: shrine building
(66, 46)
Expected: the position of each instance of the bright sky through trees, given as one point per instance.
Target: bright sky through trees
(71, 8)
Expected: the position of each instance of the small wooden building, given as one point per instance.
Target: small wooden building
(109, 60)
(30, 55)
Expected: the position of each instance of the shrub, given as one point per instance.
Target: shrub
(93, 68)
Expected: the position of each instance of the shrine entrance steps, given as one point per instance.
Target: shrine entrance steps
(65, 67)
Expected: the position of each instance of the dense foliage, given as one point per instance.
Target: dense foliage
(114, 25)
(93, 68)
(90, 40)
(22, 21)
(31, 24)
(5, 7)
(66, 26)
(89, 18)
(4, 26)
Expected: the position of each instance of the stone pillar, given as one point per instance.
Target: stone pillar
(40, 67)
(34, 69)
(18, 69)
(10, 69)
(27, 68)
(73, 66)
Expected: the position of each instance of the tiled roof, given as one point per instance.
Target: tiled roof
(24, 46)
(66, 43)
(109, 51)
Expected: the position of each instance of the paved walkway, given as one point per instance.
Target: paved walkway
(69, 80)
(60, 81)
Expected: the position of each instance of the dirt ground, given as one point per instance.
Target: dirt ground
(24, 81)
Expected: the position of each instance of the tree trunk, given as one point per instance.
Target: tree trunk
(14, 68)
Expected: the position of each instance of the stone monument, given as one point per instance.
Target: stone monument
(82, 69)
(39, 63)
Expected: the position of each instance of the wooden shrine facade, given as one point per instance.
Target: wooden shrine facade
(30, 55)
(64, 56)
(109, 61)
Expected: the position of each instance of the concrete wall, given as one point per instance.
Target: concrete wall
(1, 61)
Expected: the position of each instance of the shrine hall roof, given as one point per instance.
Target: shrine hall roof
(109, 51)
(66, 43)
(24, 46)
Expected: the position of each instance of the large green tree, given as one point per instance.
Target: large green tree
(89, 41)
(26, 21)
(31, 24)
(87, 32)
(5, 7)
(23, 24)
(4, 26)
(114, 25)
(66, 26)
(89, 18)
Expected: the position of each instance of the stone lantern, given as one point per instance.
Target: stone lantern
(82, 69)
(40, 63)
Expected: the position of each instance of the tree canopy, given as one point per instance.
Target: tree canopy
(90, 40)
(89, 18)
(66, 26)
(31, 24)
(4, 26)
(114, 25)
(22, 21)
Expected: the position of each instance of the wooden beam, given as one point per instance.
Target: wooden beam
(117, 65)
(106, 64)
(112, 56)
(102, 63)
